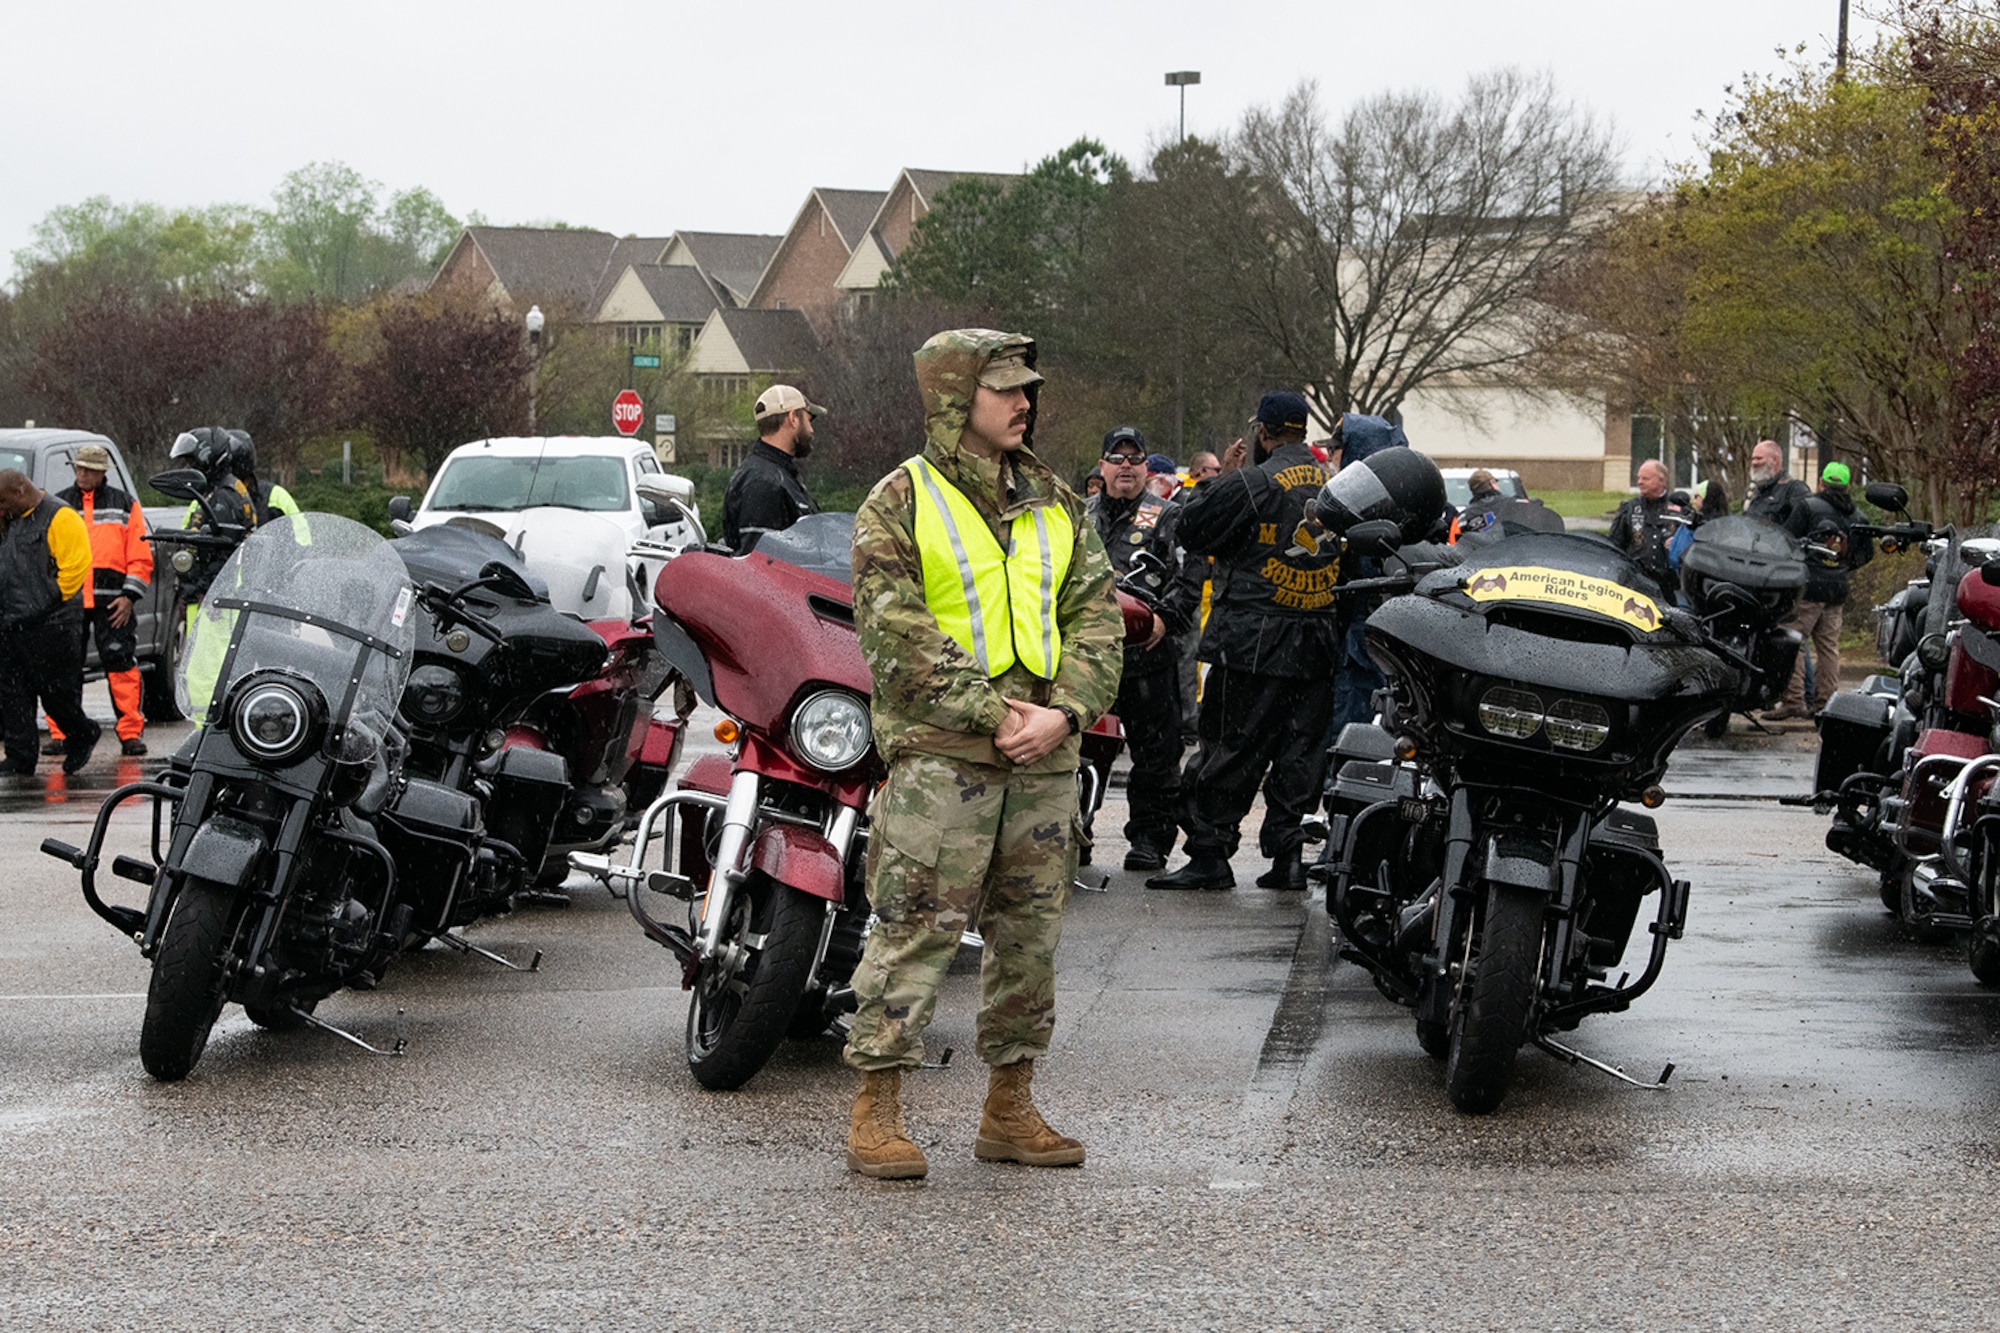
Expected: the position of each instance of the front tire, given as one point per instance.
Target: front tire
(190, 972)
(1490, 1020)
(738, 1013)
(156, 687)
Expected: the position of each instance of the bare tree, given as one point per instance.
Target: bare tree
(1401, 248)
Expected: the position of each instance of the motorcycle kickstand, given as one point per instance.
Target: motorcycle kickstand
(1103, 884)
(401, 1043)
(452, 941)
(1568, 1056)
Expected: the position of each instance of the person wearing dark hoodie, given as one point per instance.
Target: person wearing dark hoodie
(985, 607)
(1825, 521)
(1271, 642)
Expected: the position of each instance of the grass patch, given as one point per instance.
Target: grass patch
(1584, 504)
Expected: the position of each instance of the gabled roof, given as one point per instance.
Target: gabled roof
(555, 263)
(628, 250)
(874, 255)
(930, 184)
(732, 261)
(851, 211)
(650, 293)
(752, 341)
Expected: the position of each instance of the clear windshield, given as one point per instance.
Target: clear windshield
(319, 596)
(479, 483)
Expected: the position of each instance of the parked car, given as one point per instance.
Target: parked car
(1458, 484)
(44, 455)
(562, 503)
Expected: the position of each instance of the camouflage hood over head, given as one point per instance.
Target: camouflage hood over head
(948, 370)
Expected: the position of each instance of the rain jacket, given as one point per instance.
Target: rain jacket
(931, 696)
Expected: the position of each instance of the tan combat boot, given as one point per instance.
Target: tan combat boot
(877, 1144)
(1012, 1130)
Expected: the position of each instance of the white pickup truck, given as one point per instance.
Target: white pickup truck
(570, 507)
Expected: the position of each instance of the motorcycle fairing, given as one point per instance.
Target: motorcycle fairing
(225, 851)
(801, 858)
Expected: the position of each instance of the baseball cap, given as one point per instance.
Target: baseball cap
(1159, 463)
(1009, 370)
(1480, 477)
(1281, 411)
(1833, 474)
(93, 455)
(1125, 439)
(782, 398)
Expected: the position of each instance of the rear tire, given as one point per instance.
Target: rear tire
(737, 1019)
(189, 975)
(1495, 1002)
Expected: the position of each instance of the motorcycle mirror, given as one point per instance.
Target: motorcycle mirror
(1377, 536)
(664, 487)
(401, 508)
(181, 483)
(1887, 495)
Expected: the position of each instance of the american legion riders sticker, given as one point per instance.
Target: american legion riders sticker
(1562, 587)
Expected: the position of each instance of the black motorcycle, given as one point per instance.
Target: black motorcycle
(1480, 861)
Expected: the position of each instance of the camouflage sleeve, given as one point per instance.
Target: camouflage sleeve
(921, 673)
(1093, 629)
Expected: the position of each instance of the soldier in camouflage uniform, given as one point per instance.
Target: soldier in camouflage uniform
(977, 706)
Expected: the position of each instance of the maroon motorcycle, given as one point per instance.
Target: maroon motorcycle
(767, 846)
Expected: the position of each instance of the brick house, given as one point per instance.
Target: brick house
(813, 252)
(561, 269)
(890, 229)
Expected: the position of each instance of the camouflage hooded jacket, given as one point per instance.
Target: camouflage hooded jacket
(931, 696)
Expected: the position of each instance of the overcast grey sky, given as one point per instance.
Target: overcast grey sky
(645, 118)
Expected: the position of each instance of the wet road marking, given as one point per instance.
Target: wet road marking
(135, 995)
(1295, 1030)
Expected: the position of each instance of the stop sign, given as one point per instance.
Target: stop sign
(627, 412)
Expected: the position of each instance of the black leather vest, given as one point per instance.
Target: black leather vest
(29, 593)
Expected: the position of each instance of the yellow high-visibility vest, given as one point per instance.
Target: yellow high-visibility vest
(1000, 606)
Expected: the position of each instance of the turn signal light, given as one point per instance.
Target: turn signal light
(1653, 797)
(1405, 748)
(727, 731)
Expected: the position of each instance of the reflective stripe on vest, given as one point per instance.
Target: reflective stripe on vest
(1000, 606)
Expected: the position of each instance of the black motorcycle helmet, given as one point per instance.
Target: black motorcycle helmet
(242, 454)
(1400, 485)
(204, 447)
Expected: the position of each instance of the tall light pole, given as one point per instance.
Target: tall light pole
(535, 322)
(1180, 79)
(1840, 49)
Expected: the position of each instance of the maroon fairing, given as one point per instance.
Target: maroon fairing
(755, 621)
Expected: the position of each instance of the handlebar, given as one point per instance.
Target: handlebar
(446, 605)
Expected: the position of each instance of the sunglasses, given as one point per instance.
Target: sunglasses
(1124, 458)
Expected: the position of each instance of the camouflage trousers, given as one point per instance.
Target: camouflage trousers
(953, 843)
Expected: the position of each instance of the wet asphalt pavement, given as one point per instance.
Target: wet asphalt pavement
(1268, 1147)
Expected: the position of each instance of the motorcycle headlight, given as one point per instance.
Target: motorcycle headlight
(1510, 713)
(1934, 650)
(182, 560)
(434, 696)
(272, 721)
(831, 730)
(1576, 724)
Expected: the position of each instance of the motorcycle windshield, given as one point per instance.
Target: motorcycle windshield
(318, 596)
(822, 543)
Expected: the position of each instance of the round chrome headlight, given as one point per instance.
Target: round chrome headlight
(831, 730)
(272, 721)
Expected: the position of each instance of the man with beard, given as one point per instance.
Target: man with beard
(1272, 644)
(1774, 492)
(985, 610)
(1131, 519)
(766, 491)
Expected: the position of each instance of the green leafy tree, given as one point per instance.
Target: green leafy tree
(431, 372)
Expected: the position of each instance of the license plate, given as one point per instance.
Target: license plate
(1412, 810)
